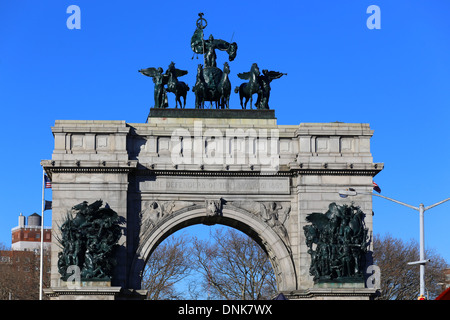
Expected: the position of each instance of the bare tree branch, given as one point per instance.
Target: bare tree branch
(235, 267)
(400, 281)
(169, 264)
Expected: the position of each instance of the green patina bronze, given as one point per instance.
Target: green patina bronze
(89, 236)
(212, 84)
(170, 78)
(337, 242)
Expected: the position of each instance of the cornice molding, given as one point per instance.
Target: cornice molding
(140, 170)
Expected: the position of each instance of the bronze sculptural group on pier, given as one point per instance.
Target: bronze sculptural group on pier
(212, 84)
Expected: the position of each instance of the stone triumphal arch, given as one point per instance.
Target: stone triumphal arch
(233, 167)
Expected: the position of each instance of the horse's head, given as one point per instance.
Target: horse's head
(200, 77)
(226, 68)
(254, 69)
(232, 50)
(170, 68)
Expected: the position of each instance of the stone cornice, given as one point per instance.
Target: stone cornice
(292, 172)
(84, 166)
(330, 293)
(334, 129)
(324, 172)
(62, 291)
(90, 126)
(293, 169)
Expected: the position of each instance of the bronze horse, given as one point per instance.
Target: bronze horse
(200, 89)
(212, 84)
(248, 89)
(225, 87)
(179, 88)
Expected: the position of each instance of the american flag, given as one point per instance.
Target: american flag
(48, 183)
(376, 187)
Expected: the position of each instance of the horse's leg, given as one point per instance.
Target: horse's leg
(185, 91)
(177, 99)
(240, 97)
(180, 94)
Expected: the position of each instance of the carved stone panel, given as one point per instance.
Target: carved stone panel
(275, 214)
(156, 210)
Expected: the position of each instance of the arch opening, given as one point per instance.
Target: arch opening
(203, 262)
(279, 255)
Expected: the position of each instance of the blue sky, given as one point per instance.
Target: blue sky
(396, 78)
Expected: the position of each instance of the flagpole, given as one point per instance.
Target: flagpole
(42, 238)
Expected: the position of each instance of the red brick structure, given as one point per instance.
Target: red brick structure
(27, 237)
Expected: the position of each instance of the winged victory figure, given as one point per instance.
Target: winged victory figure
(160, 79)
(264, 87)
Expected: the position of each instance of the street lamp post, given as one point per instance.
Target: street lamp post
(422, 261)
